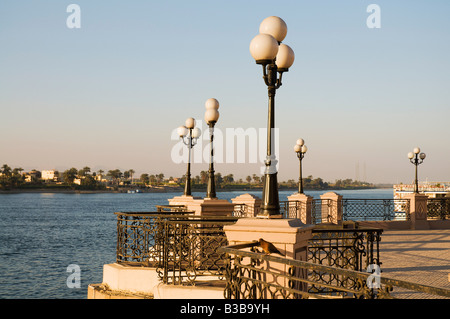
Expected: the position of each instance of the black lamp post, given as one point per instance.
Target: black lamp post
(300, 148)
(189, 135)
(211, 117)
(416, 158)
(275, 58)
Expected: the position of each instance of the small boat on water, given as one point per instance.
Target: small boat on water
(133, 191)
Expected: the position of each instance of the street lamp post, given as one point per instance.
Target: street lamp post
(189, 135)
(300, 148)
(276, 58)
(416, 158)
(211, 117)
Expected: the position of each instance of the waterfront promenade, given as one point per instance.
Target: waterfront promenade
(420, 256)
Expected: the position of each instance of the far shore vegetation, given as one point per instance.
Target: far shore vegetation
(73, 179)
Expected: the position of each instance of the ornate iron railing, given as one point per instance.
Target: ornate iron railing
(292, 209)
(319, 210)
(375, 209)
(140, 237)
(324, 210)
(254, 275)
(349, 247)
(438, 208)
(243, 210)
(180, 245)
(190, 249)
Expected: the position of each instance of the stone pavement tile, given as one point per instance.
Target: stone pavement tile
(416, 256)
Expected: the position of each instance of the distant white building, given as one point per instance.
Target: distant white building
(49, 175)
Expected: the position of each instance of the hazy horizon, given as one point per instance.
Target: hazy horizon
(110, 94)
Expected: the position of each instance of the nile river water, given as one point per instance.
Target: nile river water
(41, 234)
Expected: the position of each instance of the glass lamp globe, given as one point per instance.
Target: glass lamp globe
(297, 148)
(211, 116)
(300, 142)
(275, 26)
(422, 156)
(196, 132)
(263, 47)
(416, 150)
(285, 57)
(304, 149)
(190, 123)
(410, 155)
(212, 103)
(182, 131)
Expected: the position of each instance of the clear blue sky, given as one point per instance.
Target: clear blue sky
(109, 95)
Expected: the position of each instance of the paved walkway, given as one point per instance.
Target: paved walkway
(420, 256)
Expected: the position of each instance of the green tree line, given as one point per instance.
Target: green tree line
(86, 179)
(11, 178)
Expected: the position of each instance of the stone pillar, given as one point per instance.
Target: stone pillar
(289, 236)
(204, 206)
(182, 200)
(301, 204)
(418, 210)
(252, 204)
(216, 207)
(331, 208)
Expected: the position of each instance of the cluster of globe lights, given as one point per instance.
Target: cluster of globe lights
(300, 147)
(416, 151)
(267, 46)
(189, 127)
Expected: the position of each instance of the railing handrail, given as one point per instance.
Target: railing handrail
(330, 228)
(161, 213)
(377, 199)
(178, 214)
(388, 282)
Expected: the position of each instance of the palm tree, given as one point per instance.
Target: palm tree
(218, 179)
(131, 174)
(228, 179)
(115, 174)
(6, 170)
(100, 173)
(145, 178)
(160, 177)
(84, 171)
(70, 175)
(203, 177)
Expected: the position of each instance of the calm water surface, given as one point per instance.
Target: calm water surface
(41, 234)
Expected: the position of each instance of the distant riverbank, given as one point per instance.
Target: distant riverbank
(161, 189)
(53, 190)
